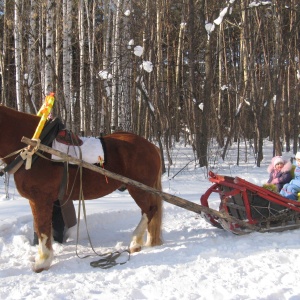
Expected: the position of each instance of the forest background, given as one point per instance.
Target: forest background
(199, 70)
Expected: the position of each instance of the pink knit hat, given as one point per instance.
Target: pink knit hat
(278, 160)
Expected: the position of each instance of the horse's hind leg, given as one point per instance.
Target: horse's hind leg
(137, 240)
(155, 222)
(42, 214)
(155, 215)
(151, 207)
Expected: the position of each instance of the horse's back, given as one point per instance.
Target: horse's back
(128, 141)
(133, 155)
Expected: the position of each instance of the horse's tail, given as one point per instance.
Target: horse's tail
(154, 226)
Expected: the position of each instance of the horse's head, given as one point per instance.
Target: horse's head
(13, 126)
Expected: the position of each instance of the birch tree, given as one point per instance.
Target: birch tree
(105, 73)
(116, 66)
(4, 53)
(81, 68)
(18, 49)
(48, 85)
(67, 63)
(90, 8)
(126, 58)
(32, 46)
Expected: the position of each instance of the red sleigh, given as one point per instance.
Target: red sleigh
(252, 204)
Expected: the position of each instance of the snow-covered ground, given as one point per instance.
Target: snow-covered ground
(196, 261)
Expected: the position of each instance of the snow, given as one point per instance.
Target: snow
(219, 20)
(138, 50)
(196, 261)
(238, 109)
(147, 66)
(254, 4)
(209, 28)
(104, 75)
(127, 13)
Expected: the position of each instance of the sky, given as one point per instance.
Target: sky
(196, 261)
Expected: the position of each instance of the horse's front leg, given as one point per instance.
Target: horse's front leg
(42, 215)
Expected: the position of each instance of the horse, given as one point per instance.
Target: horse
(127, 154)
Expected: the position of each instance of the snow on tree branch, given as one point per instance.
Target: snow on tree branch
(211, 26)
(142, 87)
(104, 75)
(147, 66)
(223, 12)
(138, 50)
(258, 3)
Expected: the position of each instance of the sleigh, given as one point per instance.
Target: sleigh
(265, 210)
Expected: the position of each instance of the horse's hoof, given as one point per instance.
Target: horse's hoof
(135, 249)
(39, 270)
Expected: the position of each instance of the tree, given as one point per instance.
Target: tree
(18, 49)
(220, 70)
(68, 112)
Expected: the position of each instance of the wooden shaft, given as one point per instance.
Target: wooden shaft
(191, 206)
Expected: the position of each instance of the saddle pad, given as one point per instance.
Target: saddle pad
(91, 149)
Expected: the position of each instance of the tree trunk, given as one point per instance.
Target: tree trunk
(82, 104)
(67, 64)
(18, 50)
(49, 64)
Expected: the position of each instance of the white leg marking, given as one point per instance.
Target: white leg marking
(137, 240)
(44, 256)
(149, 238)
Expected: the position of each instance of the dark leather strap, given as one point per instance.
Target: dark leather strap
(110, 260)
(67, 206)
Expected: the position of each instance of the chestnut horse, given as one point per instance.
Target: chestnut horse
(127, 154)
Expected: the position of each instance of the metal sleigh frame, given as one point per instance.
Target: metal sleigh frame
(266, 210)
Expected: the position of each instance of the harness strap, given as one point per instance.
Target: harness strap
(27, 153)
(48, 134)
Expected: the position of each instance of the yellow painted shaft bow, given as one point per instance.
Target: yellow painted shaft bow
(44, 113)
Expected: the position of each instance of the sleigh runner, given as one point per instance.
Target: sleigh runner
(266, 210)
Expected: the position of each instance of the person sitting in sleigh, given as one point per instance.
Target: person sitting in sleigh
(280, 174)
(291, 189)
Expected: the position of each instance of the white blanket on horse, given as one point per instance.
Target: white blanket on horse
(91, 150)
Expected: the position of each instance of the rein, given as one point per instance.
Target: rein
(110, 258)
